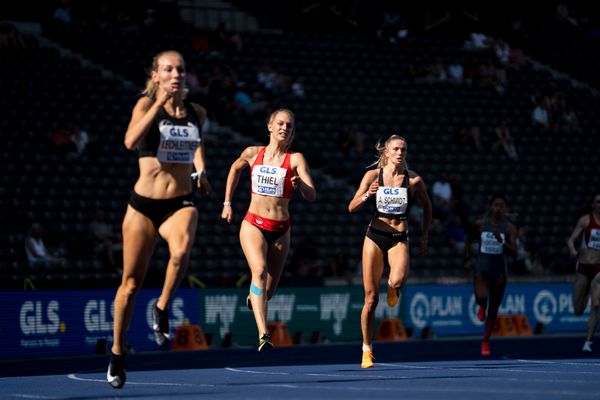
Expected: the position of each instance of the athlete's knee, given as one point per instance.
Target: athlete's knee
(130, 287)
(579, 308)
(371, 300)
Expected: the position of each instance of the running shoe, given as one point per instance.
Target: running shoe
(587, 347)
(481, 314)
(116, 371)
(367, 359)
(485, 348)
(392, 296)
(160, 326)
(264, 344)
(248, 303)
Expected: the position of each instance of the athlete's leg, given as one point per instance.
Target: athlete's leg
(276, 257)
(179, 231)
(372, 270)
(497, 287)
(255, 249)
(581, 290)
(595, 298)
(139, 237)
(399, 260)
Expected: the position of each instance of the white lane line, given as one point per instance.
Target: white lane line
(77, 378)
(248, 371)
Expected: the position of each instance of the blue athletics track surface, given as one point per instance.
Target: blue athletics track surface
(540, 367)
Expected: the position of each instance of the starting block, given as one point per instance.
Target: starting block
(391, 329)
(512, 325)
(280, 335)
(189, 337)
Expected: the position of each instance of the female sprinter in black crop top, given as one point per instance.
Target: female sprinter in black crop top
(166, 131)
(265, 230)
(391, 187)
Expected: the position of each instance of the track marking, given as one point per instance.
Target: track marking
(247, 371)
(77, 378)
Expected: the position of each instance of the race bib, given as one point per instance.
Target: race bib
(489, 243)
(594, 242)
(391, 200)
(268, 180)
(178, 143)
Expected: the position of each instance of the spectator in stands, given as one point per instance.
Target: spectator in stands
(265, 231)
(456, 71)
(165, 130)
(504, 139)
(80, 139)
(37, 253)
(497, 240)
(470, 135)
(441, 193)
(391, 188)
(62, 143)
(540, 117)
(587, 277)
(11, 37)
(107, 239)
(456, 235)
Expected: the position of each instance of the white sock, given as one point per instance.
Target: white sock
(367, 347)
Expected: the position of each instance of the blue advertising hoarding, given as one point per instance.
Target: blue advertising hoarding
(41, 323)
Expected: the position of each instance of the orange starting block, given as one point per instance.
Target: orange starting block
(189, 337)
(280, 335)
(391, 329)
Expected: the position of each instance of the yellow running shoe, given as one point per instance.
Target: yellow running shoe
(392, 296)
(367, 359)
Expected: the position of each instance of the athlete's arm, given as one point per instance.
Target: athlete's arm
(579, 228)
(199, 159)
(233, 179)
(143, 114)
(367, 188)
(302, 179)
(420, 193)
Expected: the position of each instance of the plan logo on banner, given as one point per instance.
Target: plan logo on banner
(545, 306)
(40, 322)
(221, 307)
(281, 307)
(438, 310)
(335, 306)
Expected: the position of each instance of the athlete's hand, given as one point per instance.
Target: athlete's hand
(296, 182)
(373, 187)
(204, 187)
(162, 96)
(227, 213)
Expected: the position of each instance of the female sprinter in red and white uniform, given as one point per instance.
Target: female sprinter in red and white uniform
(587, 279)
(265, 231)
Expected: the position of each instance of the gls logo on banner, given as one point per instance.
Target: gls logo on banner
(37, 319)
(95, 316)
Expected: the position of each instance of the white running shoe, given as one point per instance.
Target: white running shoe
(587, 346)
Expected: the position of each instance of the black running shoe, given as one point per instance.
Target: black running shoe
(116, 371)
(264, 344)
(160, 326)
(248, 303)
